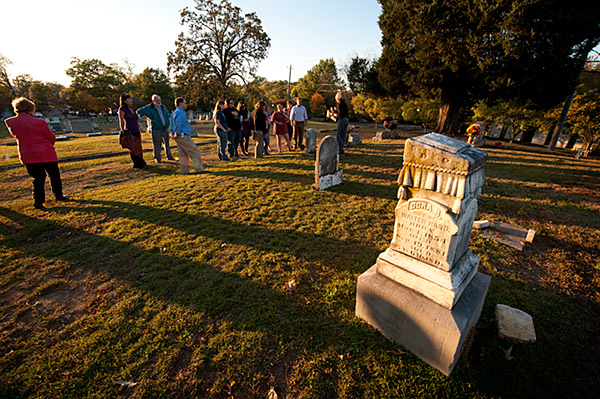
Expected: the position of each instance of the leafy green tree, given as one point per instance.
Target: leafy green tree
(96, 78)
(221, 45)
(323, 78)
(421, 110)
(7, 92)
(377, 109)
(514, 118)
(152, 81)
(22, 83)
(80, 100)
(45, 95)
(527, 50)
(584, 117)
(362, 77)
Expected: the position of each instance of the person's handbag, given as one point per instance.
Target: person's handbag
(126, 139)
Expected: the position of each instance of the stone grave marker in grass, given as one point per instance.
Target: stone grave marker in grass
(310, 137)
(80, 126)
(424, 291)
(327, 172)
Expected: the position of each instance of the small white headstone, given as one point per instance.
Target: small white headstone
(327, 173)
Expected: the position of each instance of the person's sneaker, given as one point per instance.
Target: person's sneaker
(171, 159)
(39, 206)
(157, 161)
(64, 199)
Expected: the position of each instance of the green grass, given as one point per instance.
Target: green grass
(3, 131)
(177, 282)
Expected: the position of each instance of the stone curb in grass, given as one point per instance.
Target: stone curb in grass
(102, 155)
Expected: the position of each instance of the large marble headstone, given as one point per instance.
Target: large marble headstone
(310, 138)
(327, 172)
(424, 291)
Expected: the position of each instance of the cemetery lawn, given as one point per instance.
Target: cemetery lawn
(154, 284)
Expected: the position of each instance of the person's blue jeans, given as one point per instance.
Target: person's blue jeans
(342, 129)
(222, 144)
(233, 138)
(267, 140)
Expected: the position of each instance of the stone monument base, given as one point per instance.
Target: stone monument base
(330, 180)
(430, 331)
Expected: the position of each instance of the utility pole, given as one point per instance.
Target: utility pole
(289, 82)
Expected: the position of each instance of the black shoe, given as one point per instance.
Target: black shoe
(39, 206)
(64, 199)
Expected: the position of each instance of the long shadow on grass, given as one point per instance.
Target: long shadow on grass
(242, 303)
(347, 171)
(563, 214)
(323, 249)
(351, 188)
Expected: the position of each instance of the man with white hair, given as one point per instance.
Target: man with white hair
(158, 117)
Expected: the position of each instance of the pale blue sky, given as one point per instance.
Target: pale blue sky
(41, 36)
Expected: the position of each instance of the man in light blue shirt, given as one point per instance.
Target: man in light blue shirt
(181, 132)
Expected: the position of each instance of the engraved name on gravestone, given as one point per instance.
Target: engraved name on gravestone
(423, 231)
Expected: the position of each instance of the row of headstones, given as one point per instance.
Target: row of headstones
(539, 138)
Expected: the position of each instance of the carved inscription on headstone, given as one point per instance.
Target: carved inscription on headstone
(424, 230)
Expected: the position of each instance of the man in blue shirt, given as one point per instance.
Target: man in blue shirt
(181, 132)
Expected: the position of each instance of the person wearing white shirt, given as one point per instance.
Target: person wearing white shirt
(299, 119)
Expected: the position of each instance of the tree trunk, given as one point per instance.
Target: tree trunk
(448, 119)
(514, 133)
(451, 102)
(588, 147)
(549, 135)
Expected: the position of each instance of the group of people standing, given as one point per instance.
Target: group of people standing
(233, 127)
(162, 127)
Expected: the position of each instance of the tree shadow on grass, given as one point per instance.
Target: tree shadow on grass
(312, 247)
(348, 187)
(225, 299)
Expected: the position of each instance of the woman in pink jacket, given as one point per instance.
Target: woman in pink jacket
(36, 150)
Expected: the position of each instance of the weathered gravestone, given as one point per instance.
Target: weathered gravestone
(310, 138)
(424, 291)
(80, 126)
(327, 172)
(539, 138)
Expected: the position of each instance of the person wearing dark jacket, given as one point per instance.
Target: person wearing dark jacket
(158, 118)
(35, 143)
(258, 124)
(131, 137)
(342, 115)
(234, 135)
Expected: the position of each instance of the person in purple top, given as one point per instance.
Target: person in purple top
(130, 136)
